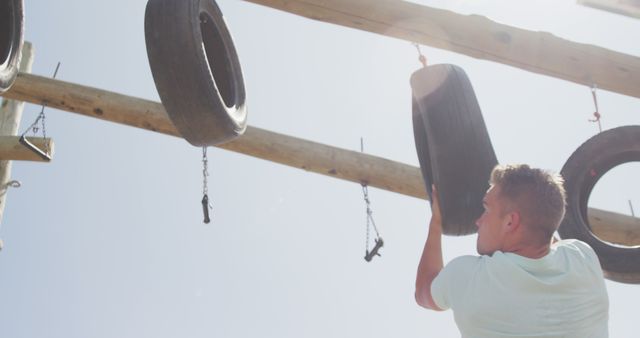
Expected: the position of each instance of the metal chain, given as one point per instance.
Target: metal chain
(41, 118)
(421, 57)
(205, 171)
(369, 212)
(206, 205)
(370, 221)
(596, 114)
(365, 192)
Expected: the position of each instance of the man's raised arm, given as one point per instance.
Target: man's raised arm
(431, 260)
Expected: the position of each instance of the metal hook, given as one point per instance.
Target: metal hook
(596, 114)
(421, 57)
(13, 184)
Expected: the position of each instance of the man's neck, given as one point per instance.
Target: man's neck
(533, 252)
(525, 244)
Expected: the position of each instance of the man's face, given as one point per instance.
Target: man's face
(491, 223)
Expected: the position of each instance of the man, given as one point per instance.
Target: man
(522, 284)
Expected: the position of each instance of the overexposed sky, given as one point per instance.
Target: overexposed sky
(108, 240)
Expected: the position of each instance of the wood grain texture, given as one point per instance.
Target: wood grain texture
(478, 37)
(629, 8)
(291, 151)
(12, 149)
(10, 117)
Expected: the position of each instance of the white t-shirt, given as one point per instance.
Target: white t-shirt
(506, 295)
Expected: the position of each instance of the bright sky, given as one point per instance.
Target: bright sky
(108, 240)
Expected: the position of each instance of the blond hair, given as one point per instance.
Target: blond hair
(537, 194)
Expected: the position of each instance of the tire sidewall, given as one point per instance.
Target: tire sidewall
(236, 112)
(183, 75)
(586, 166)
(9, 69)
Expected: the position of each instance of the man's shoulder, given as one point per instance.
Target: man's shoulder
(459, 267)
(575, 247)
(464, 262)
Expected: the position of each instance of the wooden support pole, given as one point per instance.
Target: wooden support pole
(303, 154)
(478, 37)
(12, 149)
(10, 116)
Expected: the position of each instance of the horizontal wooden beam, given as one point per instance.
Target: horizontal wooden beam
(295, 152)
(12, 149)
(615, 228)
(625, 7)
(478, 37)
(307, 155)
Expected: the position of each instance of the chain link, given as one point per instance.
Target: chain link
(596, 114)
(365, 192)
(44, 134)
(369, 212)
(421, 57)
(205, 171)
(41, 118)
(206, 204)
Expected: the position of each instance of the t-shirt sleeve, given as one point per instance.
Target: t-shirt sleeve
(448, 284)
(586, 250)
(590, 255)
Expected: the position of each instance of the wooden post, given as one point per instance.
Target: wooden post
(299, 153)
(10, 116)
(477, 36)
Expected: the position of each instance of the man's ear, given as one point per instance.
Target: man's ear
(512, 221)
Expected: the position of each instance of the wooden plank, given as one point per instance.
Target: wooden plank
(299, 153)
(10, 116)
(12, 149)
(478, 37)
(629, 8)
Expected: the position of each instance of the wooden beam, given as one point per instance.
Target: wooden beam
(629, 8)
(12, 149)
(478, 37)
(303, 154)
(615, 228)
(311, 156)
(10, 116)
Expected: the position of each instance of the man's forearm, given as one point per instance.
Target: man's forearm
(430, 265)
(431, 259)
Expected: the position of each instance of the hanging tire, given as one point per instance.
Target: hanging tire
(453, 145)
(11, 39)
(581, 172)
(196, 69)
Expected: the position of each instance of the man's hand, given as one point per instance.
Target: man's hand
(431, 260)
(436, 217)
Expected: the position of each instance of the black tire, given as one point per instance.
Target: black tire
(11, 39)
(581, 172)
(453, 145)
(196, 70)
